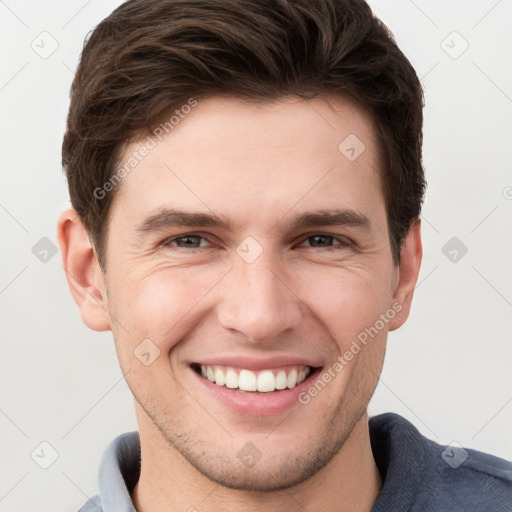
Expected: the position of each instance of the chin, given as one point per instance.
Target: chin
(265, 476)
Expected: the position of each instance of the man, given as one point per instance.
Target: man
(246, 183)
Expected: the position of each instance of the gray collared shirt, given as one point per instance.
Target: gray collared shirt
(418, 475)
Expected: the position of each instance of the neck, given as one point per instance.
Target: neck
(168, 482)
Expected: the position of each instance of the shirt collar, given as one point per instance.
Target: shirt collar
(398, 449)
(118, 473)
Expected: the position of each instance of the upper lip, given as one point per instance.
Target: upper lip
(255, 364)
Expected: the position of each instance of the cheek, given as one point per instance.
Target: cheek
(346, 302)
(161, 306)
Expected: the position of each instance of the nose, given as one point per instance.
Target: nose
(258, 301)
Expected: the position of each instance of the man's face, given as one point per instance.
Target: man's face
(264, 296)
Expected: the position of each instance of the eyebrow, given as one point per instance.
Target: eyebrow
(169, 217)
(329, 218)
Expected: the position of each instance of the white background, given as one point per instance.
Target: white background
(448, 369)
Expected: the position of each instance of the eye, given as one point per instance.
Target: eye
(319, 240)
(188, 241)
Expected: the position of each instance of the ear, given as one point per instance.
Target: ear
(83, 272)
(407, 275)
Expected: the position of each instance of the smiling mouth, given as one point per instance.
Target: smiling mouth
(264, 381)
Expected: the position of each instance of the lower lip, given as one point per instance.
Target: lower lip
(254, 403)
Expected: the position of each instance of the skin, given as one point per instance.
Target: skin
(258, 165)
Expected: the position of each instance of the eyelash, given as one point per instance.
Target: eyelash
(344, 242)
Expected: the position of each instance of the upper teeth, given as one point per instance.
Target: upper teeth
(247, 380)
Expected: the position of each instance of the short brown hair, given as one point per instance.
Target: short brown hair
(150, 57)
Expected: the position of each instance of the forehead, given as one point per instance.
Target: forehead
(226, 155)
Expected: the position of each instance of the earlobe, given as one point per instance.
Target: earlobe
(408, 271)
(83, 272)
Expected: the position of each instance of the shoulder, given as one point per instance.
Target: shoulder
(469, 478)
(433, 477)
